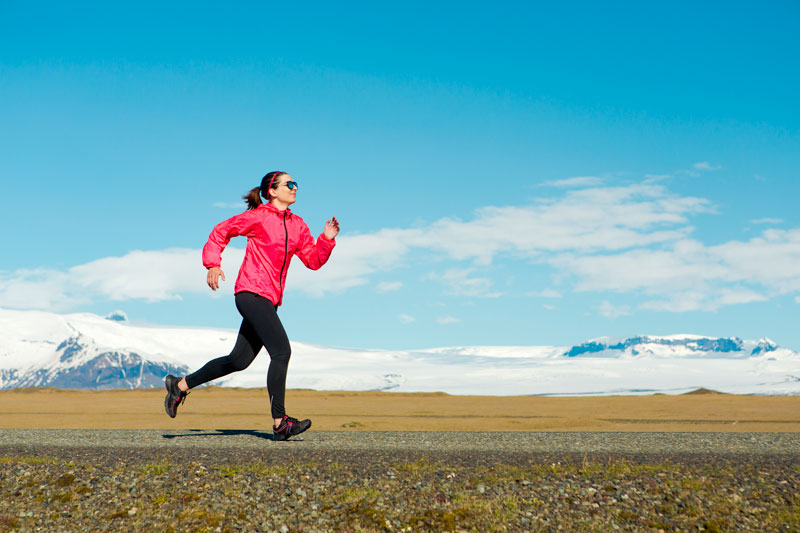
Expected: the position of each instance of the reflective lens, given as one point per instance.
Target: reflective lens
(291, 184)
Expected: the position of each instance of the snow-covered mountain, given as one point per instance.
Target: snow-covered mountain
(93, 352)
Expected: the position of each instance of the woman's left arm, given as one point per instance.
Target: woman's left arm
(315, 254)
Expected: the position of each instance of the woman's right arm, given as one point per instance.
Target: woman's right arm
(239, 225)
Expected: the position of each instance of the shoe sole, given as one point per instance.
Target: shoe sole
(166, 401)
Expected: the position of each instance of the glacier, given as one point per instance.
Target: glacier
(87, 351)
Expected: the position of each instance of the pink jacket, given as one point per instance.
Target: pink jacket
(273, 237)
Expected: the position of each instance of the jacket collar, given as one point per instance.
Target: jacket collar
(272, 209)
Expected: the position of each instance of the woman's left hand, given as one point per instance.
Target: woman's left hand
(331, 229)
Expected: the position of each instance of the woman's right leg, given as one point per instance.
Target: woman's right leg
(247, 347)
(263, 316)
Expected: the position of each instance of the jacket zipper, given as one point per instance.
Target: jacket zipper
(285, 255)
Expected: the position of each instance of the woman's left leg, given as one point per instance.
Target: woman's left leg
(244, 351)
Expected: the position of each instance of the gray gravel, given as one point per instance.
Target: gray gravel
(525, 442)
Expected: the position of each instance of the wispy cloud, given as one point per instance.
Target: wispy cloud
(460, 283)
(577, 181)
(630, 239)
(655, 178)
(705, 165)
(145, 275)
(354, 260)
(688, 275)
(703, 300)
(546, 293)
(447, 319)
(582, 221)
(406, 319)
(586, 220)
(389, 286)
(767, 221)
(608, 310)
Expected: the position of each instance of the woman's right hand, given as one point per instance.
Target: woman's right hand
(213, 277)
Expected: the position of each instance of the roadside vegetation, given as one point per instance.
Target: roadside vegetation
(326, 493)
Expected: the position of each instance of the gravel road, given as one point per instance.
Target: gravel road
(232, 480)
(428, 442)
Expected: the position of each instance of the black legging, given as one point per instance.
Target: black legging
(260, 327)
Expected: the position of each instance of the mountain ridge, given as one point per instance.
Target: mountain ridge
(86, 351)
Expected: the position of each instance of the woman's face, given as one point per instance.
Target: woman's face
(283, 193)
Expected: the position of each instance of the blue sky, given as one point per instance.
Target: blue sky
(504, 174)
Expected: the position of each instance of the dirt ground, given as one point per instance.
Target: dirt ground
(229, 408)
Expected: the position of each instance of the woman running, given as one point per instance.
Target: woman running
(274, 234)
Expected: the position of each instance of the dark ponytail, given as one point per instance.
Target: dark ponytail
(270, 181)
(253, 198)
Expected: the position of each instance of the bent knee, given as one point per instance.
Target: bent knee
(239, 365)
(282, 355)
(238, 361)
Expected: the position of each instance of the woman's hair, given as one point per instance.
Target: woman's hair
(253, 198)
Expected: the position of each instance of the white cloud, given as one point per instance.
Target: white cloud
(770, 260)
(549, 307)
(352, 262)
(460, 283)
(621, 239)
(734, 296)
(447, 320)
(608, 310)
(654, 178)
(582, 221)
(767, 221)
(159, 275)
(546, 293)
(389, 286)
(577, 181)
(611, 218)
(38, 289)
(688, 275)
(705, 165)
(147, 275)
(704, 300)
(406, 319)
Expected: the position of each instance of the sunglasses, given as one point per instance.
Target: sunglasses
(292, 185)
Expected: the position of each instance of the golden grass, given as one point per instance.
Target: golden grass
(230, 408)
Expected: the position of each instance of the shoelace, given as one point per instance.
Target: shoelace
(287, 424)
(181, 397)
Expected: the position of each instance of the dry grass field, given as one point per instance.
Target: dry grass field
(227, 408)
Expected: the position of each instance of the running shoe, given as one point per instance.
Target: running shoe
(175, 396)
(289, 427)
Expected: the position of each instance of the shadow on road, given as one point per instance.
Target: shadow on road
(224, 433)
